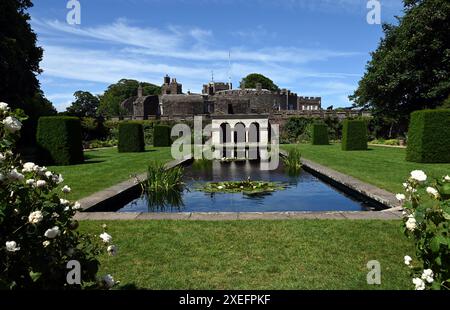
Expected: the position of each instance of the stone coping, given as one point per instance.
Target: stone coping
(242, 216)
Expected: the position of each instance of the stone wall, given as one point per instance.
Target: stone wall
(182, 105)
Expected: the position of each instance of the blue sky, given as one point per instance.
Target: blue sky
(313, 47)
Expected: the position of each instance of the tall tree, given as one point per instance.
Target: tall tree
(19, 55)
(85, 104)
(116, 93)
(251, 80)
(410, 70)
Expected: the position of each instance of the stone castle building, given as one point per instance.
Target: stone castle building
(220, 99)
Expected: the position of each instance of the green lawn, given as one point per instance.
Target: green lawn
(381, 166)
(297, 254)
(107, 167)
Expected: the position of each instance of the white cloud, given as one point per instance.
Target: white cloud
(147, 54)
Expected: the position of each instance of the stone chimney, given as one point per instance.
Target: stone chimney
(140, 91)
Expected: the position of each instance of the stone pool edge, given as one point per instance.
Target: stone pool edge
(127, 187)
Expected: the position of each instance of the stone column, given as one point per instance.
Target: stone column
(264, 141)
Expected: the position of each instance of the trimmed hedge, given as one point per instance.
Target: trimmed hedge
(354, 135)
(320, 134)
(161, 136)
(429, 137)
(131, 138)
(59, 140)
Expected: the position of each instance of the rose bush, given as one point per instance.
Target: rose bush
(38, 235)
(426, 214)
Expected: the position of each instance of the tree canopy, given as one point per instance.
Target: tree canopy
(251, 80)
(116, 93)
(20, 57)
(85, 104)
(410, 70)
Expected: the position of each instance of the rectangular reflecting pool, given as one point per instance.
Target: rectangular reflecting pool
(305, 192)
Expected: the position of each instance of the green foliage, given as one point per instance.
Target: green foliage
(38, 235)
(163, 186)
(410, 70)
(96, 144)
(20, 57)
(148, 126)
(320, 134)
(131, 138)
(427, 222)
(299, 129)
(334, 127)
(392, 142)
(428, 137)
(295, 128)
(293, 161)
(251, 80)
(116, 93)
(161, 136)
(34, 108)
(94, 129)
(59, 140)
(354, 135)
(247, 187)
(85, 105)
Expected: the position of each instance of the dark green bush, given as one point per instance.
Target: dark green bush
(320, 134)
(161, 136)
(94, 129)
(429, 137)
(59, 140)
(131, 138)
(354, 135)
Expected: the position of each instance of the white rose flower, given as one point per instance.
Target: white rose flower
(64, 202)
(420, 285)
(428, 275)
(447, 178)
(2, 157)
(35, 217)
(411, 223)
(432, 191)
(112, 250)
(400, 197)
(66, 189)
(418, 175)
(106, 237)
(40, 183)
(4, 106)
(46, 243)
(52, 233)
(405, 185)
(12, 124)
(30, 182)
(408, 260)
(16, 175)
(108, 280)
(220, 187)
(48, 174)
(28, 167)
(58, 179)
(76, 206)
(11, 246)
(41, 170)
